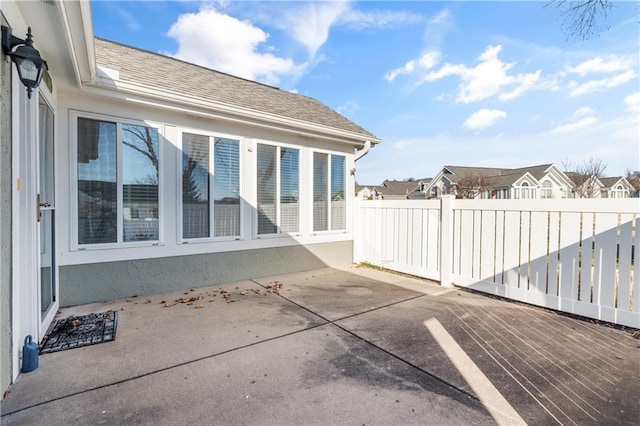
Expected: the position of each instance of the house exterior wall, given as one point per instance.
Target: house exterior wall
(5, 224)
(111, 280)
(100, 272)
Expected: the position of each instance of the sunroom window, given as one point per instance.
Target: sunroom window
(210, 186)
(329, 211)
(117, 172)
(278, 189)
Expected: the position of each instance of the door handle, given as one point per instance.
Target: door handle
(39, 205)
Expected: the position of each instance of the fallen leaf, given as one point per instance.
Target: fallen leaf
(199, 306)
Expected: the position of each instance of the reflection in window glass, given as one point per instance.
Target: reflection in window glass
(267, 214)
(278, 211)
(195, 186)
(338, 210)
(97, 182)
(140, 183)
(226, 187)
(289, 190)
(329, 203)
(320, 191)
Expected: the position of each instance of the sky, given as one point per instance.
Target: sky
(466, 83)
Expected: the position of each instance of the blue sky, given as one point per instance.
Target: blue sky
(471, 83)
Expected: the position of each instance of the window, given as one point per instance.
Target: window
(329, 212)
(546, 191)
(278, 189)
(618, 192)
(118, 178)
(210, 171)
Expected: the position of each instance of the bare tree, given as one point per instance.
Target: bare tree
(582, 19)
(470, 185)
(584, 176)
(634, 178)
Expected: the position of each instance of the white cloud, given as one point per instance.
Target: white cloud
(574, 126)
(127, 18)
(381, 19)
(602, 84)
(527, 81)
(427, 61)
(224, 43)
(484, 118)
(309, 23)
(633, 102)
(348, 108)
(613, 63)
(437, 26)
(486, 79)
(581, 112)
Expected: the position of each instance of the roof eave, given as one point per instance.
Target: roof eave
(199, 106)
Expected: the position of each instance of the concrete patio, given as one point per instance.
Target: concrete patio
(354, 346)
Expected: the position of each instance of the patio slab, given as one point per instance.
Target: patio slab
(334, 347)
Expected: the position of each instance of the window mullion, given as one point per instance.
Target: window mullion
(119, 185)
(329, 201)
(277, 198)
(211, 186)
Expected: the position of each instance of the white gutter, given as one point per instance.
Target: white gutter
(364, 151)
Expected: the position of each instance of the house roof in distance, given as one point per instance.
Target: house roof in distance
(152, 70)
(498, 176)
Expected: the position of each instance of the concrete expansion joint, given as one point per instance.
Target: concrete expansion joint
(325, 322)
(368, 342)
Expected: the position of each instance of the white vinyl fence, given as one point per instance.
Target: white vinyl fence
(574, 255)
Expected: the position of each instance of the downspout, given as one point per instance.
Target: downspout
(364, 151)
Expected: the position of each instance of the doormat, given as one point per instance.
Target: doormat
(79, 331)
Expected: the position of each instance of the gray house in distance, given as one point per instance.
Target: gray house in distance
(542, 181)
(128, 172)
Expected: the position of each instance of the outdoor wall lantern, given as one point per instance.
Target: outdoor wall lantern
(28, 61)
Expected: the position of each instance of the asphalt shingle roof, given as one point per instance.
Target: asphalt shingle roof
(497, 176)
(150, 69)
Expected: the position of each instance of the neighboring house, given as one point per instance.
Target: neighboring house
(368, 192)
(404, 190)
(616, 187)
(604, 187)
(542, 181)
(167, 175)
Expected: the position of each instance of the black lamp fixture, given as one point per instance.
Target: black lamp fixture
(28, 61)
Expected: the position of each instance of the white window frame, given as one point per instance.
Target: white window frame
(546, 190)
(179, 215)
(73, 161)
(329, 230)
(279, 233)
(618, 192)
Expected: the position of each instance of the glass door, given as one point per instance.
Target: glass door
(46, 210)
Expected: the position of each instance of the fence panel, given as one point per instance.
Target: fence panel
(578, 256)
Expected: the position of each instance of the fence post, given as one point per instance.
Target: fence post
(446, 239)
(356, 221)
